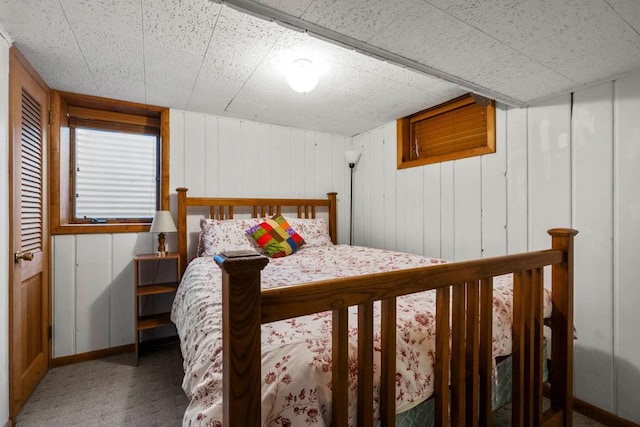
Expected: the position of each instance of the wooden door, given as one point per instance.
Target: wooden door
(29, 311)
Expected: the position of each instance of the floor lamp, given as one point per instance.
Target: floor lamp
(351, 157)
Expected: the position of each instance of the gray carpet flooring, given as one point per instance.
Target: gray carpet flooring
(113, 392)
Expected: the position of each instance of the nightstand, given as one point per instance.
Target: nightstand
(154, 275)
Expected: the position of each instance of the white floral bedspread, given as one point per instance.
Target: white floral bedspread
(296, 353)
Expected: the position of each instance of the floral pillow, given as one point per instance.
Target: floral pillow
(226, 235)
(276, 237)
(314, 231)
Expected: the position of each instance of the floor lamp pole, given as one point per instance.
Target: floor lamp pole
(351, 165)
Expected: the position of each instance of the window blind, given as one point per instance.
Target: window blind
(116, 174)
(459, 128)
(456, 130)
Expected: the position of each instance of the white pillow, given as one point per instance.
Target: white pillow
(226, 235)
(314, 231)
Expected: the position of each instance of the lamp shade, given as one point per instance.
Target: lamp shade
(302, 76)
(162, 223)
(352, 156)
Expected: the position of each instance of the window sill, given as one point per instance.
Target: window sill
(402, 164)
(100, 228)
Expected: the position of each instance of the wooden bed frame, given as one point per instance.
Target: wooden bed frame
(464, 294)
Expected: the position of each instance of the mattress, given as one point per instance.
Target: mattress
(296, 353)
(423, 415)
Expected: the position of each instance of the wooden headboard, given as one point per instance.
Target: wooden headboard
(223, 208)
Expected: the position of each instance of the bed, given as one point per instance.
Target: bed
(340, 335)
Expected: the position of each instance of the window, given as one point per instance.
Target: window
(110, 164)
(115, 175)
(462, 127)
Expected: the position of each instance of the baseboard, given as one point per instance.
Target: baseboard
(9, 423)
(92, 355)
(600, 415)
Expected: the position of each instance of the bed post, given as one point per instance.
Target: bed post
(182, 227)
(562, 325)
(241, 320)
(333, 217)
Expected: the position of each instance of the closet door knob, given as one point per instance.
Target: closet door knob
(27, 256)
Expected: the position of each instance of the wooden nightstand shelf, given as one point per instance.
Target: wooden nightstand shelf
(146, 269)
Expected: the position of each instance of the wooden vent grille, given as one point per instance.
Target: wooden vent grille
(462, 127)
(31, 179)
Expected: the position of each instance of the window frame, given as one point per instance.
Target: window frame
(61, 151)
(404, 132)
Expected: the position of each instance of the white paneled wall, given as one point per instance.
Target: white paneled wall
(626, 265)
(93, 290)
(212, 156)
(573, 161)
(218, 156)
(592, 206)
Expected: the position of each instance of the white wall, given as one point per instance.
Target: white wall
(564, 163)
(219, 156)
(569, 162)
(212, 156)
(4, 230)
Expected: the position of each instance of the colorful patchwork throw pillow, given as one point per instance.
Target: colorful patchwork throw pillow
(276, 237)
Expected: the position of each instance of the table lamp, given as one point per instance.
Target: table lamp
(162, 223)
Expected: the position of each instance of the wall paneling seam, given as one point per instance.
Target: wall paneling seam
(615, 350)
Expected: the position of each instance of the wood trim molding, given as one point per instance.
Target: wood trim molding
(91, 355)
(60, 197)
(164, 152)
(9, 423)
(600, 415)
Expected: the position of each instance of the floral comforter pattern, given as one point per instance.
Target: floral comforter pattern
(296, 358)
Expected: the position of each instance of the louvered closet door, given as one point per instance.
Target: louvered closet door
(29, 287)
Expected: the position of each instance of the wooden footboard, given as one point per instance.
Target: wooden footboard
(463, 368)
(468, 285)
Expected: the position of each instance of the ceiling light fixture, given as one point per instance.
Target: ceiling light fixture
(302, 75)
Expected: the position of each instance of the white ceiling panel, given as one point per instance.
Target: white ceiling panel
(629, 10)
(472, 11)
(184, 26)
(510, 71)
(118, 67)
(424, 32)
(587, 54)
(204, 56)
(535, 20)
(166, 84)
(48, 43)
(292, 7)
(360, 20)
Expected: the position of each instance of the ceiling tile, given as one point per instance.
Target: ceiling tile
(360, 20)
(292, 7)
(205, 12)
(248, 25)
(535, 20)
(180, 25)
(471, 11)
(58, 59)
(170, 74)
(422, 33)
(508, 71)
(629, 10)
(111, 45)
(585, 54)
